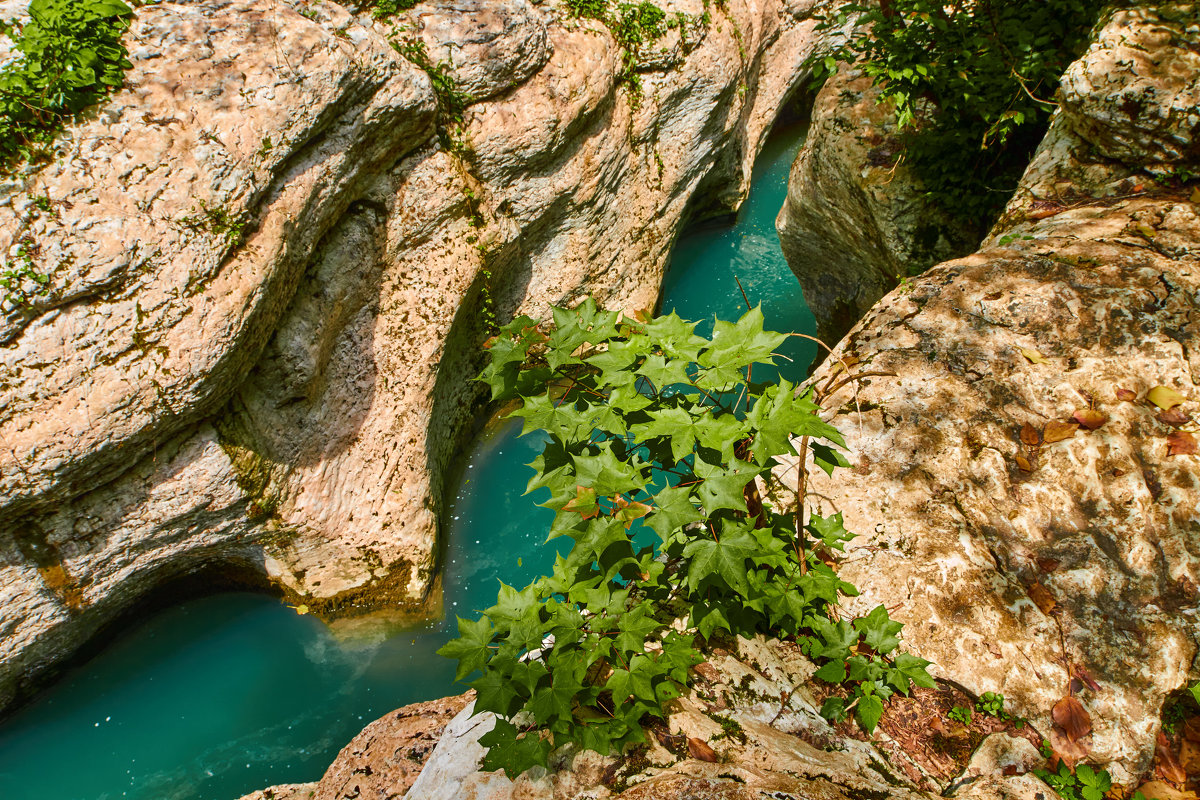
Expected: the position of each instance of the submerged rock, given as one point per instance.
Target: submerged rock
(267, 276)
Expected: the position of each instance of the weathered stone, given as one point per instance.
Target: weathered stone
(1134, 95)
(855, 221)
(1012, 564)
(285, 396)
(486, 47)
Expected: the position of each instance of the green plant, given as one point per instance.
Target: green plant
(972, 84)
(384, 9)
(1085, 783)
(217, 220)
(452, 101)
(69, 56)
(633, 25)
(658, 442)
(992, 704)
(20, 279)
(960, 714)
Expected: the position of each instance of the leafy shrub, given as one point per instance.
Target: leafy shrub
(972, 82)
(68, 56)
(633, 25)
(651, 425)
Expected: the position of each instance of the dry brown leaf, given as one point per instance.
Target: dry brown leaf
(1034, 356)
(1085, 676)
(1063, 748)
(699, 749)
(1090, 418)
(1189, 758)
(1048, 564)
(1042, 598)
(1164, 397)
(1126, 395)
(1056, 431)
(1024, 464)
(1070, 715)
(1160, 790)
(1030, 435)
(1166, 764)
(1181, 443)
(1175, 417)
(1191, 730)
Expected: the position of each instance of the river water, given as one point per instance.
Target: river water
(226, 694)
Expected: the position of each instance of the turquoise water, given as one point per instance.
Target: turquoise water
(226, 694)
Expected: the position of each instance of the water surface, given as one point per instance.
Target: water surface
(226, 694)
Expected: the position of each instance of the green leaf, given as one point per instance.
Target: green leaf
(908, 669)
(878, 630)
(724, 558)
(723, 486)
(868, 711)
(830, 530)
(607, 474)
(471, 648)
(513, 752)
(673, 510)
(832, 672)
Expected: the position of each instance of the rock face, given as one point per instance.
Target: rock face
(1020, 549)
(855, 221)
(758, 749)
(267, 280)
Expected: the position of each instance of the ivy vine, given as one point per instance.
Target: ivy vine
(660, 463)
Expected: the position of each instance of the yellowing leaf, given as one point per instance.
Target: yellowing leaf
(1195, 198)
(1034, 356)
(1145, 230)
(302, 609)
(1164, 397)
(1056, 431)
(1024, 464)
(1042, 598)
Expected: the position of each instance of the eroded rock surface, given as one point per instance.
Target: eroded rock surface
(855, 221)
(1020, 561)
(266, 277)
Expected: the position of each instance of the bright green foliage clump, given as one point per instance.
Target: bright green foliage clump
(633, 25)
(973, 84)
(656, 437)
(1084, 783)
(452, 101)
(68, 57)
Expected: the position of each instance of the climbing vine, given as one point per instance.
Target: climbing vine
(659, 442)
(973, 84)
(68, 56)
(633, 25)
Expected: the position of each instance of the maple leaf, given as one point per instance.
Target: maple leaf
(1181, 443)
(1074, 720)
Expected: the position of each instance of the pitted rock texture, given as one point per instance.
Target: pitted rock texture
(763, 751)
(855, 221)
(266, 280)
(1015, 566)
(1134, 95)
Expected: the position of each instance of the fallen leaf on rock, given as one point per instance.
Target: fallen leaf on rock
(1090, 418)
(1181, 443)
(1164, 397)
(1056, 431)
(1191, 730)
(1030, 435)
(1175, 417)
(1042, 598)
(1070, 715)
(1034, 356)
(1195, 198)
(1048, 564)
(1189, 758)
(700, 750)
(1126, 395)
(1160, 790)
(1062, 748)
(1145, 230)
(1024, 464)
(1166, 765)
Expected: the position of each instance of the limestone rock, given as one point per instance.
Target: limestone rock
(1134, 95)
(486, 47)
(266, 281)
(1021, 561)
(855, 221)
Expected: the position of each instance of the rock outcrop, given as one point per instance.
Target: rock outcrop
(856, 221)
(1029, 554)
(268, 280)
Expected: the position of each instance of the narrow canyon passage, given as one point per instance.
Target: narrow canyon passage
(229, 693)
